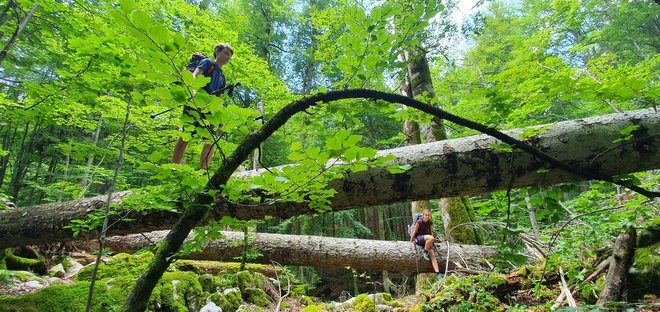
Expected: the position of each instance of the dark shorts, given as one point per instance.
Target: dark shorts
(419, 240)
(197, 115)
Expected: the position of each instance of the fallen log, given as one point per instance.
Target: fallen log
(458, 167)
(322, 252)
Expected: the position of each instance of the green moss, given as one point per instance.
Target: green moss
(364, 303)
(386, 296)
(244, 279)
(215, 267)
(119, 265)
(417, 308)
(255, 296)
(461, 211)
(228, 300)
(306, 300)
(178, 291)
(469, 294)
(298, 290)
(59, 298)
(312, 308)
(209, 283)
(645, 271)
(10, 261)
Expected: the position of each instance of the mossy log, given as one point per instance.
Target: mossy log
(323, 252)
(465, 166)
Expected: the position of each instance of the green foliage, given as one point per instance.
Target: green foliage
(468, 294)
(364, 303)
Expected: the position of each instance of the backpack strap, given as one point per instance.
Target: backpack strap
(211, 68)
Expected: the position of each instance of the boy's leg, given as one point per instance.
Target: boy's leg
(179, 150)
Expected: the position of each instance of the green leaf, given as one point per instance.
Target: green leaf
(502, 147)
(398, 169)
(160, 34)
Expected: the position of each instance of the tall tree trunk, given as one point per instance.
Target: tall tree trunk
(457, 167)
(90, 159)
(7, 142)
(531, 210)
(15, 183)
(5, 11)
(17, 33)
(412, 136)
(455, 211)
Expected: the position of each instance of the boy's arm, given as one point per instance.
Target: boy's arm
(414, 232)
(198, 71)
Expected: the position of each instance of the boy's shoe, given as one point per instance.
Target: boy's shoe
(439, 276)
(425, 254)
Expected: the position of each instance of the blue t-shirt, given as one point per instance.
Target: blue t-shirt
(218, 80)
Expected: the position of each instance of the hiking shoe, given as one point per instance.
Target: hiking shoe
(425, 254)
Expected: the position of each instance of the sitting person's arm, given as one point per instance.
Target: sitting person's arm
(414, 233)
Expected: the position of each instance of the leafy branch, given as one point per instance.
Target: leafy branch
(203, 202)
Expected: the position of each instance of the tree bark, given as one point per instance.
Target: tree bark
(464, 166)
(454, 210)
(321, 252)
(617, 275)
(17, 33)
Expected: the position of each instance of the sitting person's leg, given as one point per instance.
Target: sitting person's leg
(428, 242)
(434, 262)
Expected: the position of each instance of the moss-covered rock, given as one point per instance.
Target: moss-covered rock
(178, 291)
(119, 265)
(72, 297)
(229, 300)
(645, 272)
(255, 296)
(244, 279)
(312, 308)
(364, 303)
(210, 283)
(468, 294)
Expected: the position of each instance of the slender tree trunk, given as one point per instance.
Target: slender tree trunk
(256, 157)
(17, 33)
(381, 236)
(616, 283)
(90, 159)
(532, 217)
(14, 184)
(7, 142)
(5, 11)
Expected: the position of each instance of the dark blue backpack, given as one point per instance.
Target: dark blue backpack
(411, 227)
(194, 61)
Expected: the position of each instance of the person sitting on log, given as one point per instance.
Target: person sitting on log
(424, 236)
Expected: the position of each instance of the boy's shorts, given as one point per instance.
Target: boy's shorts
(197, 117)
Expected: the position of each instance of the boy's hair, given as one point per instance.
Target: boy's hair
(221, 46)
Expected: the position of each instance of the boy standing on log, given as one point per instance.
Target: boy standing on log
(222, 53)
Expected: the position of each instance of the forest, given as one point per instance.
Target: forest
(529, 129)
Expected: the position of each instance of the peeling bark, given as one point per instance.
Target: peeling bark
(321, 252)
(464, 166)
(616, 283)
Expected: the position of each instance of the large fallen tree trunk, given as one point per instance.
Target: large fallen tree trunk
(323, 252)
(464, 166)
